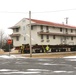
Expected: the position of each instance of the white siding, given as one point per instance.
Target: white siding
(36, 38)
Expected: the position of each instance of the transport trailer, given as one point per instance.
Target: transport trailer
(54, 48)
(42, 48)
(62, 48)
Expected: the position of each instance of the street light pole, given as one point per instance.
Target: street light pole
(30, 33)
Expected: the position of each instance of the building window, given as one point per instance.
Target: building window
(47, 27)
(71, 30)
(17, 29)
(41, 27)
(24, 38)
(17, 38)
(31, 27)
(47, 36)
(41, 36)
(53, 36)
(60, 29)
(72, 38)
(66, 30)
(23, 27)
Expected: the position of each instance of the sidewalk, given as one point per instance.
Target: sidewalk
(45, 55)
(50, 55)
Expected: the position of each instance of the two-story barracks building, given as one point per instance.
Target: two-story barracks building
(43, 33)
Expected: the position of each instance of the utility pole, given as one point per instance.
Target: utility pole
(30, 33)
(66, 20)
(66, 30)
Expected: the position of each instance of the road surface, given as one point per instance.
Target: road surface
(37, 66)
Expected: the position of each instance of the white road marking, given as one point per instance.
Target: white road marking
(20, 73)
(37, 70)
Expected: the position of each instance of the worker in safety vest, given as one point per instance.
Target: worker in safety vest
(22, 49)
(47, 48)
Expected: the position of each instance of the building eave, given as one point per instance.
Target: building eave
(57, 34)
(46, 23)
(67, 27)
(14, 27)
(14, 35)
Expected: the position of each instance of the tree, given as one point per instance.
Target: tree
(3, 41)
(6, 47)
(1, 38)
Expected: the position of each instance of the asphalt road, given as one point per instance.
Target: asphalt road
(38, 66)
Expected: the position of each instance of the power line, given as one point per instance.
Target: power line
(13, 12)
(39, 12)
(55, 11)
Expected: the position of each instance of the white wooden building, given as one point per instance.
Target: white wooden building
(42, 33)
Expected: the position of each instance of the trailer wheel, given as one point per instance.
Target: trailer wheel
(37, 51)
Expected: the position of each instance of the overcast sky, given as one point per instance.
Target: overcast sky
(12, 11)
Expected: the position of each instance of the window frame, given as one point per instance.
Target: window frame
(60, 29)
(71, 30)
(41, 27)
(31, 27)
(41, 36)
(71, 37)
(54, 37)
(47, 28)
(66, 30)
(17, 29)
(17, 38)
(47, 36)
(24, 38)
(23, 28)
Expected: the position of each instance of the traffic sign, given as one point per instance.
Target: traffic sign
(9, 41)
